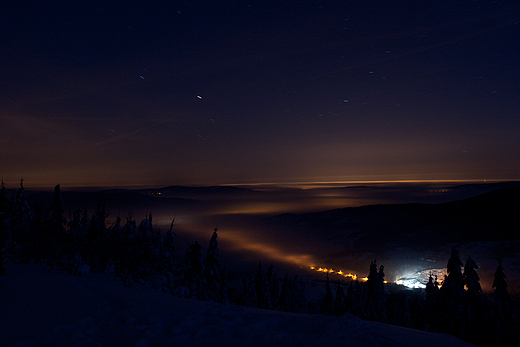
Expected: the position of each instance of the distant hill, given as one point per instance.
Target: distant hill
(116, 201)
(122, 202)
(493, 216)
(181, 191)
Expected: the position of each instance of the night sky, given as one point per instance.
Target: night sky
(155, 93)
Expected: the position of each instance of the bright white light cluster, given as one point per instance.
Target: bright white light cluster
(420, 278)
(411, 283)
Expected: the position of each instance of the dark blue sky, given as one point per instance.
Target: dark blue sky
(208, 92)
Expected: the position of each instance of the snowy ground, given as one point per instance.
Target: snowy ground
(39, 307)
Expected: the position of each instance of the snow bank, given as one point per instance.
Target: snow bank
(42, 307)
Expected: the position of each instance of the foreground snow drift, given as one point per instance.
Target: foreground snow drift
(39, 307)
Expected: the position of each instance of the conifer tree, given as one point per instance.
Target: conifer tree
(500, 294)
(371, 278)
(501, 300)
(56, 219)
(213, 271)
(451, 297)
(432, 289)
(61, 244)
(272, 283)
(403, 314)
(146, 228)
(472, 281)
(259, 287)
(85, 221)
(195, 270)
(77, 228)
(4, 201)
(169, 242)
(3, 239)
(95, 241)
(141, 249)
(432, 293)
(339, 300)
(144, 242)
(247, 296)
(4, 220)
(127, 249)
(130, 229)
(354, 302)
(194, 265)
(266, 296)
(453, 285)
(284, 301)
(75, 222)
(349, 298)
(328, 299)
(21, 218)
(476, 318)
(116, 232)
(375, 299)
(169, 251)
(298, 302)
(20, 212)
(376, 306)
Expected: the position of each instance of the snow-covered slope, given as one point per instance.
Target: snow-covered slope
(39, 307)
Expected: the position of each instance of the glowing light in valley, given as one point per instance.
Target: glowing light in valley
(241, 242)
(410, 283)
(332, 271)
(420, 278)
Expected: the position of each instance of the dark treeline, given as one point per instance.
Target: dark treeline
(139, 253)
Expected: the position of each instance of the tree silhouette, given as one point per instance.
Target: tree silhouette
(194, 270)
(339, 301)
(328, 299)
(432, 298)
(501, 306)
(4, 220)
(95, 252)
(20, 212)
(375, 300)
(57, 221)
(476, 317)
(451, 295)
(213, 274)
(272, 283)
(247, 296)
(500, 294)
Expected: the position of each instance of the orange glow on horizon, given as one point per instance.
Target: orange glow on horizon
(337, 183)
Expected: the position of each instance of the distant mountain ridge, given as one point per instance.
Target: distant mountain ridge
(492, 216)
(116, 200)
(186, 190)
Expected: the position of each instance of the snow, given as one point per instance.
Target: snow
(40, 306)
